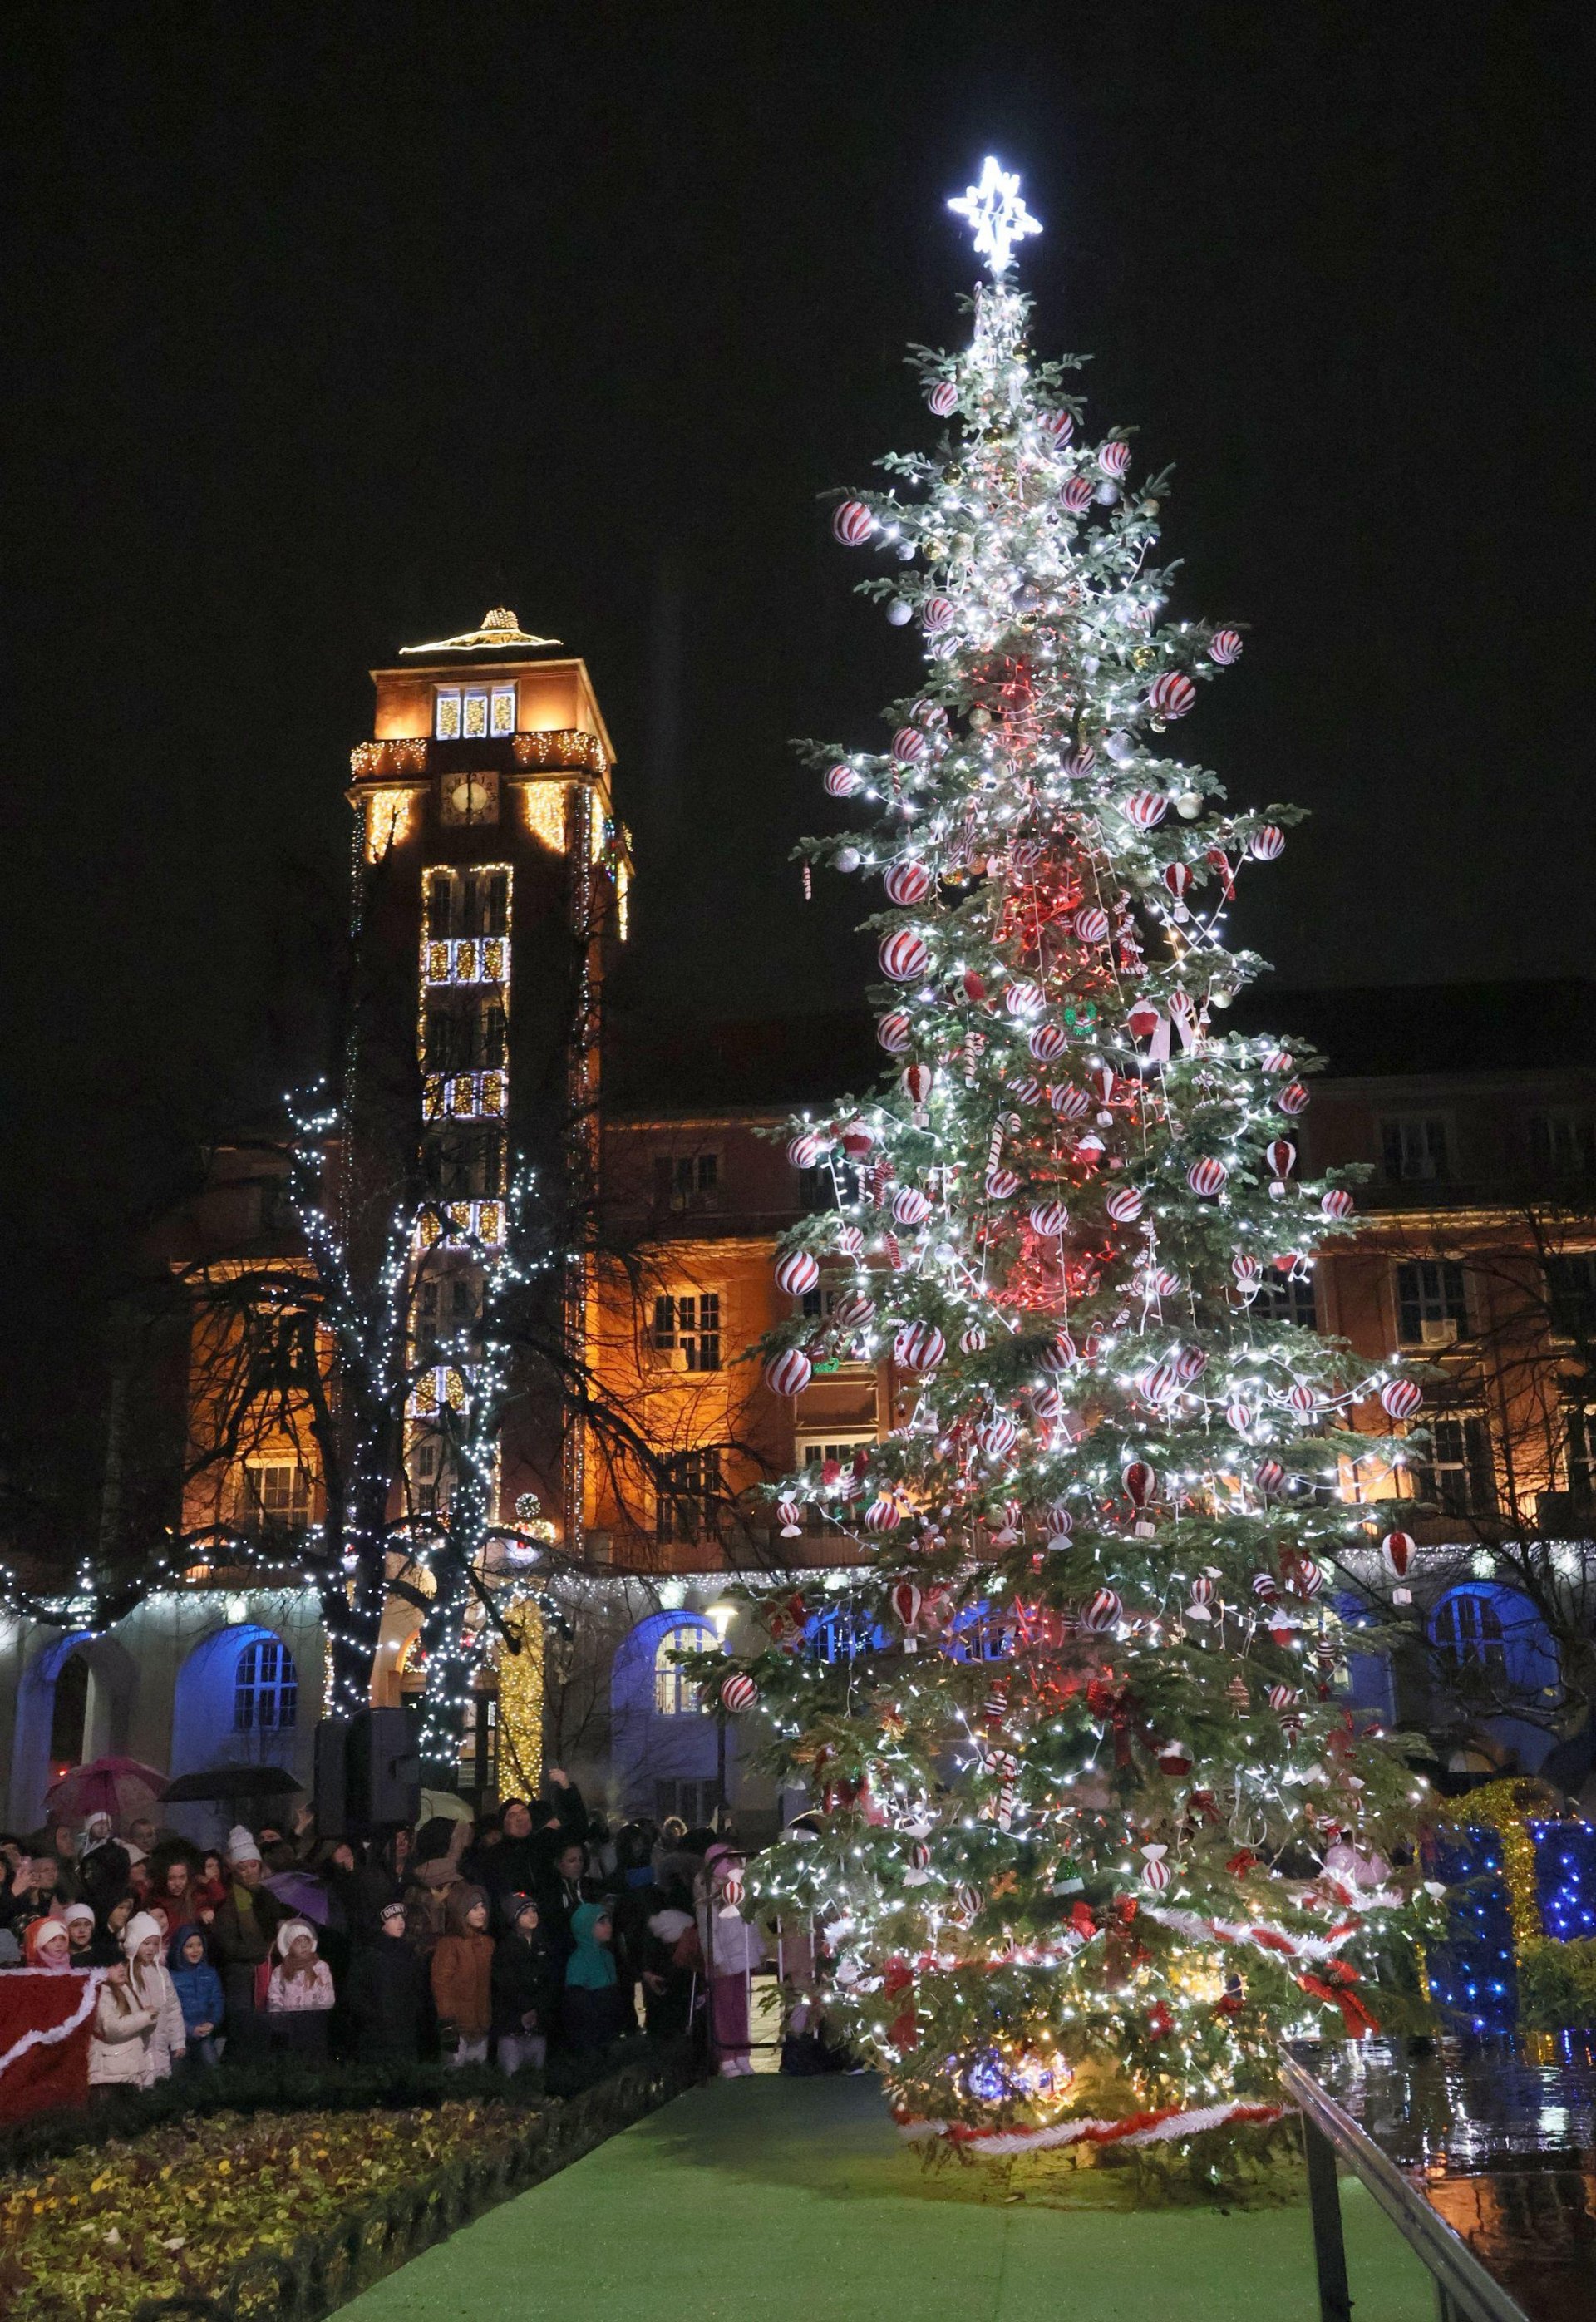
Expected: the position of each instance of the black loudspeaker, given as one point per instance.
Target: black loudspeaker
(332, 1778)
(382, 1768)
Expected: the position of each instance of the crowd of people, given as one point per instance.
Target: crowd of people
(493, 1940)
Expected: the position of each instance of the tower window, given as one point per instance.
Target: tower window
(275, 1497)
(1432, 1303)
(473, 713)
(689, 1327)
(464, 904)
(687, 1506)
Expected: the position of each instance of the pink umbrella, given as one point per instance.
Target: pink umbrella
(123, 1787)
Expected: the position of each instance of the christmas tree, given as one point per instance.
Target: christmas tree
(1095, 1826)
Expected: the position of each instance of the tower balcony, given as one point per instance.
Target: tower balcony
(415, 757)
(466, 959)
(465, 1096)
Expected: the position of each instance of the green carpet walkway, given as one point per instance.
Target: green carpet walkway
(778, 2201)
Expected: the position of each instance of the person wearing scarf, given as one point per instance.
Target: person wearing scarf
(299, 1992)
(247, 1919)
(593, 2015)
(47, 1944)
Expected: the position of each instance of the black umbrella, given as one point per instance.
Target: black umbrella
(231, 1782)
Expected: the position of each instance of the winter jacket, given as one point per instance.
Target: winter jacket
(295, 1995)
(102, 1873)
(387, 1995)
(120, 2040)
(242, 1937)
(462, 1970)
(525, 1982)
(198, 1988)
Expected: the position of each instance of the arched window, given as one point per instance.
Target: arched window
(843, 1631)
(1468, 1628)
(266, 1688)
(675, 1692)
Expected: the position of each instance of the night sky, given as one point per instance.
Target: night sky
(327, 328)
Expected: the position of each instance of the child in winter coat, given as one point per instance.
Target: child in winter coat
(299, 1992)
(138, 2023)
(46, 1944)
(462, 1978)
(78, 1919)
(594, 2013)
(387, 1992)
(525, 1988)
(198, 1988)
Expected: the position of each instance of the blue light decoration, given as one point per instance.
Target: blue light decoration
(986, 2078)
(1565, 1878)
(1474, 1975)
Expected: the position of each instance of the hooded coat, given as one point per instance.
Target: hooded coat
(198, 1988)
(462, 1968)
(594, 2012)
(138, 2027)
(525, 1978)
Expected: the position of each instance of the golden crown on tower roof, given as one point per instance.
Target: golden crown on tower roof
(499, 628)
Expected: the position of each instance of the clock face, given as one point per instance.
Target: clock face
(470, 798)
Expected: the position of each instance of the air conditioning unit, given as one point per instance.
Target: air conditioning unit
(1441, 1332)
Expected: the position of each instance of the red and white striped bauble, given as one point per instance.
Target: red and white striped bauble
(1293, 1098)
(1058, 1352)
(1124, 1204)
(1238, 1414)
(894, 1032)
(908, 883)
(1157, 1873)
(1076, 496)
(1069, 1102)
(999, 1436)
(1091, 924)
(908, 746)
(1303, 1401)
(1171, 695)
(1337, 1202)
(1140, 1483)
(1267, 845)
(1025, 1088)
(918, 1347)
(1058, 426)
(1158, 1384)
(1047, 1403)
(1266, 1588)
(1223, 647)
(1268, 1477)
(797, 1271)
(1246, 1270)
(1025, 854)
(910, 1207)
(964, 1905)
(1146, 809)
(1114, 458)
(943, 397)
(1081, 761)
(1103, 1613)
(841, 781)
(854, 1311)
(1049, 1219)
(1207, 1178)
(917, 1080)
(937, 616)
(1059, 1516)
(1399, 1398)
(738, 1692)
(1002, 1184)
(1190, 1364)
(808, 1151)
(790, 1372)
(972, 1341)
(1047, 1044)
(883, 1514)
(904, 956)
(1141, 1020)
(853, 524)
(850, 1241)
(1308, 1579)
(1396, 1550)
(1201, 1592)
(1023, 998)
(1279, 1061)
(1284, 1696)
(1177, 879)
(789, 1516)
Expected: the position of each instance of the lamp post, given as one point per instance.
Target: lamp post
(721, 1617)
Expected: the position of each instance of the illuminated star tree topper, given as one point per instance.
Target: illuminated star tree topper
(997, 214)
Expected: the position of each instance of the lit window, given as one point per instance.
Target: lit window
(1431, 1304)
(688, 1504)
(816, 1457)
(464, 904)
(688, 1327)
(275, 1497)
(1288, 1298)
(266, 1688)
(1415, 1147)
(1457, 1474)
(1571, 1280)
(842, 1633)
(675, 1692)
(1467, 1627)
(472, 713)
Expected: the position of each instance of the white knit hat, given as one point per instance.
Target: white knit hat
(242, 1846)
(139, 1929)
(289, 1930)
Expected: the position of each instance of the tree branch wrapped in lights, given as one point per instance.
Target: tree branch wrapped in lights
(1094, 1827)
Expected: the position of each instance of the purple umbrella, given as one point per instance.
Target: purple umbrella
(304, 1893)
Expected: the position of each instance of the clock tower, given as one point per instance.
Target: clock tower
(491, 875)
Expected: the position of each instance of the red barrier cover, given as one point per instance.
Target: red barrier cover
(46, 2015)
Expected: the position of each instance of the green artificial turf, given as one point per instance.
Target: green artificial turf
(780, 2201)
